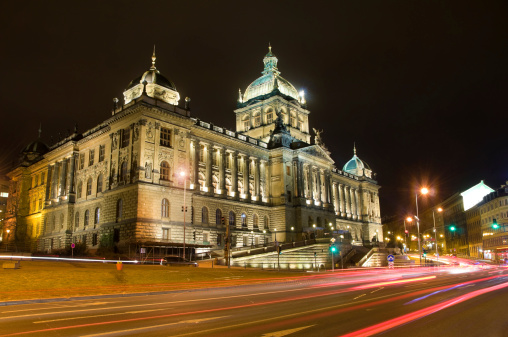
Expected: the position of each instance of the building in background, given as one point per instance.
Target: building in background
(494, 222)
(152, 175)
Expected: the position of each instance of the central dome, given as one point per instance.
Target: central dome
(270, 81)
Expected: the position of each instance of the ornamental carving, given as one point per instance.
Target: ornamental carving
(135, 135)
(148, 170)
(114, 141)
(149, 132)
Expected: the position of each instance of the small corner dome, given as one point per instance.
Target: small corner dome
(357, 166)
(157, 86)
(34, 150)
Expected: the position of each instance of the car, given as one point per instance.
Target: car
(178, 261)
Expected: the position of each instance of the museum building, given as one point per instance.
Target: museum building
(152, 172)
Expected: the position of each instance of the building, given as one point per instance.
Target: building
(4, 194)
(152, 174)
(494, 222)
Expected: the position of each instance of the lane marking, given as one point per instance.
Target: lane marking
(359, 296)
(286, 332)
(114, 314)
(191, 321)
(377, 290)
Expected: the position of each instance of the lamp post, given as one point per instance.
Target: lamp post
(292, 232)
(275, 230)
(7, 239)
(435, 231)
(252, 239)
(406, 233)
(423, 191)
(315, 236)
(184, 209)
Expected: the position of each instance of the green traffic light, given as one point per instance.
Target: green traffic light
(452, 228)
(494, 224)
(333, 249)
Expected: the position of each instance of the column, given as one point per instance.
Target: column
(222, 170)
(342, 204)
(234, 173)
(311, 184)
(347, 200)
(325, 194)
(70, 185)
(209, 152)
(48, 185)
(335, 198)
(318, 183)
(256, 179)
(358, 205)
(54, 181)
(299, 180)
(63, 176)
(353, 203)
(195, 178)
(246, 166)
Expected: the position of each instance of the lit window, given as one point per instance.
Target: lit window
(244, 220)
(165, 208)
(164, 170)
(89, 187)
(218, 217)
(102, 153)
(99, 183)
(165, 137)
(81, 161)
(126, 134)
(269, 118)
(91, 156)
(97, 215)
(255, 221)
(204, 215)
(4, 194)
(232, 218)
(166, 234)
(87, 217)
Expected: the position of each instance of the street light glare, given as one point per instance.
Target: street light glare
(409, 219)
(439, 209)
(424, 190)
(182, 173)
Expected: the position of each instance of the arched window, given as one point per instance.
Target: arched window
(119, 207)
(123, 172)
(76, 221)
(89, 186)
(165, 171)
(204, 215)
(165, 208)
(201, 181)
(267, 222)
(87, 217)
(97, 216)
(255, 221)
(244, 220)
(232, 218)
(218, 217)
(99, 183)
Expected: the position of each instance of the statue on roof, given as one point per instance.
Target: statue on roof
(318, 140)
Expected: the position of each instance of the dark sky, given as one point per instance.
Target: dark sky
(420, 86)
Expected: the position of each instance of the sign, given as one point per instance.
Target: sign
(143, 250)
(390, 264)
(390, 258)
(73, 245)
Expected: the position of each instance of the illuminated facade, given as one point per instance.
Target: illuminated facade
(494, 224)
(119, 183)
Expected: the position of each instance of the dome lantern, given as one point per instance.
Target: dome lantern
(357, 166)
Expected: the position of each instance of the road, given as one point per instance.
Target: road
(459, 301)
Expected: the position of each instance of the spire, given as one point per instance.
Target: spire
(153, 59)
(240, 95)
(270, 62)
(40, 130)
(354, 148)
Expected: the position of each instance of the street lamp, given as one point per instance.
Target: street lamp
(275, 230)
(423, 191)
(7, 239)
(292, 232)
(406, 232)
(252, 238)
(435, 231)
(314, 226)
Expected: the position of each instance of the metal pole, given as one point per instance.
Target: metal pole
(184, 211)
(435, 235)
(418, 226)
(333, 264)
(405, 234)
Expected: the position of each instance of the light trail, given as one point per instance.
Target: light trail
(382, 284)
(390, 324)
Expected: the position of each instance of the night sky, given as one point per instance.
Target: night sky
(420, 86)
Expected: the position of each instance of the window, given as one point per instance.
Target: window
(293, 120)
(257, 120)
(269, 118)
(89, 186)
(76, 221)
(119, 207)
(80, 189)
(94, 239)
(165, 208)
(244, 220)
(232, 221)
(91, 156)
(81, 161)
(204, 215)
(165, 137)
(266, 222)
(165, 171)
(300, 124)
(97, 215)
(255, 221)
(201, 153)
(246, 125)
(87, 217)
(102, 152)
(228, 161)
(126, 134)
(218, 217)
(123, 172)
(166, 234)
(215, 157)
(99, 183)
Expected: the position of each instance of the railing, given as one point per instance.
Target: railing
(231, 133)
(367, 256)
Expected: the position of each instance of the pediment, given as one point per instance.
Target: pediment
(317, 151)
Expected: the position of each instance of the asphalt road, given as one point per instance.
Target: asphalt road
(467, 301)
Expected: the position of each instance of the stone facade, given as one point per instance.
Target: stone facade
(123, 180)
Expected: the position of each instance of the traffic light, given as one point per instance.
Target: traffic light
(279, 250)
(407, 233)
(333, 249)
(495, 225)
(424, 253)
(452, 228)
(222, 221)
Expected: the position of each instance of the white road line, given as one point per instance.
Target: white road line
(285, 332)
(378, 289)
(359, 296)
(193, 321)
(81, 317)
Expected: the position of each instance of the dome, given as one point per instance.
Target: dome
(357, 166)
(157, 86)
(36, 147)
(270, 81)
(152, 76)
